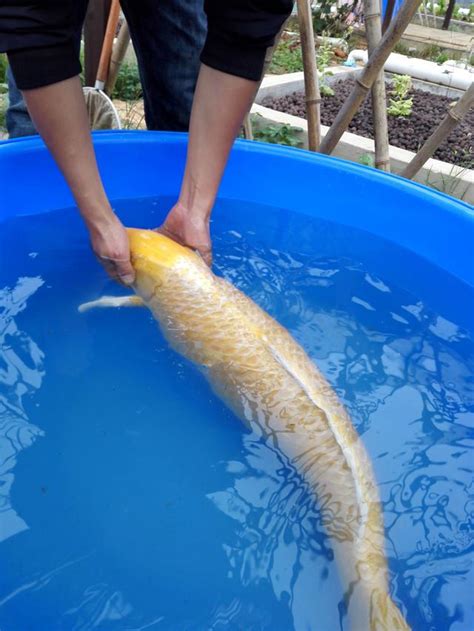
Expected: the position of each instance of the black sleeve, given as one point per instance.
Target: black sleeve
(41, 39)
(239, 33)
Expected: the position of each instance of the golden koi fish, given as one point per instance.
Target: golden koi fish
(259, 370)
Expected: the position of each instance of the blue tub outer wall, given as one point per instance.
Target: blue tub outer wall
(142, 164)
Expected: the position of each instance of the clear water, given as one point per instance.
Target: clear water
(131, 498)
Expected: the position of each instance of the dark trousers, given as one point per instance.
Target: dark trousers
(168, 36)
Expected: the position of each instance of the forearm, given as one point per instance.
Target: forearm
(220, 104)
(60, 116)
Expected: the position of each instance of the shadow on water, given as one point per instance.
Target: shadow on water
(21, 374)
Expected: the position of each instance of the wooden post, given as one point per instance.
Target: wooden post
(366, 79)
(94, 31)
(248, 130)
(106, 53)
(118, 53)
(449, 15)
(449, 122)
(311, 83)
(373, 32)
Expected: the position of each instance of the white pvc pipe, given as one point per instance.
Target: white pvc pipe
(421, 69)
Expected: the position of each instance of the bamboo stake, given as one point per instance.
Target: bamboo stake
(373, 31)
(449, 15)
(366, 79)
(248, 131)
(311, 83)
(94, 31)
(118, 53)
(449, 122)
(388, 14)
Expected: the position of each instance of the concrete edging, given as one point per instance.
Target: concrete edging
(442, 176)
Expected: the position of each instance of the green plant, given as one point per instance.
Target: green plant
(442, 57)
(128, 86)
(287, 57)
(323, 58)
(3, 68)
(324, 55)
(279, 135)
(402, 49)
(435, 8)
(3, 110)
(367, 160)
(439, 9)
(326, 89)
(331, 18)
(400, 104)
(465, 158)
(435, 53)
(430, 52)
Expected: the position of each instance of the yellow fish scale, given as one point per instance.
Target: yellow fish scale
(267, 378)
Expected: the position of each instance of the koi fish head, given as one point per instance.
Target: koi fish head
(162, 264)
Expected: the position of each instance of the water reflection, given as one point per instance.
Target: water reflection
(406, 376)
(279, 537)
(21, 374)
(102, 606)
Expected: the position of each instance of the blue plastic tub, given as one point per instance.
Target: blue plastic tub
(141, 164)
(141, 501)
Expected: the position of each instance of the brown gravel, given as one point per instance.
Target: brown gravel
(404, 132)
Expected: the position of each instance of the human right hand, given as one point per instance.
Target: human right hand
(109, 241)
(190, 229)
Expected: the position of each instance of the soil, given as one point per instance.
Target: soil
(404, 132)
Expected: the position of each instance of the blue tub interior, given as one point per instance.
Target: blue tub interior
(131, 498)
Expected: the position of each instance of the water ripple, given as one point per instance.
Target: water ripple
(21, 374)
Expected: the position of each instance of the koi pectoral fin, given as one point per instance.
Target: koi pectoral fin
(112, 301)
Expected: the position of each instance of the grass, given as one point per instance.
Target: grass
(448, 184)
(433, 53)
(131, 114)
(3, 108)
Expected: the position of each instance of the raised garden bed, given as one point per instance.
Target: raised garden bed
(406, 133)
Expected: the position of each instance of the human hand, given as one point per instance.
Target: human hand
(109, 241)
(189, 229)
